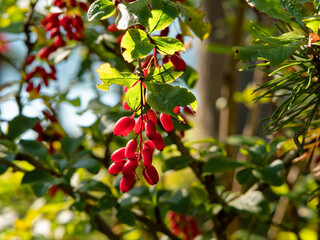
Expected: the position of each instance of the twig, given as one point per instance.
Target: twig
(14, 167)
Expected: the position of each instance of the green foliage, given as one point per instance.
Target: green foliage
(164, 98)
(133, 13)
(19, 125)
(163, 14)
(135, 44)
(61, 177)
(101, 9)
(110, 75)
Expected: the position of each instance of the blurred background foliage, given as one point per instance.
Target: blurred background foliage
(224, 173)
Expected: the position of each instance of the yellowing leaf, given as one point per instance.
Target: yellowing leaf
(110, 75)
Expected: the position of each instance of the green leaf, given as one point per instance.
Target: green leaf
(90, 164)
(135, 44)
(244, 176)
(275, 54)
(239, 140)
(19, 125)
(313, 23)
(163, 13)
(164, 97)
(40, 181)
(179, 202)
(133, 97)
(193, 18)
(36, 149)
(219, 48)
(287, 37)
(272, 174)
(251, 202)
(93, 185)
(110, 75)
(133, 13)
(126, 216)
(101, 9)
(176, 163)
(273, 9)
(220, 164)
(168, 45)
(295, 9)
(190, 77)
(166, 74)
(69, 145)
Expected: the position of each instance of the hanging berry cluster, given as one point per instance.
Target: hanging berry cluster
(67, 21)
(139, 151)
(183, 224)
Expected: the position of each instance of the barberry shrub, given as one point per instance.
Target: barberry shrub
(130, 173)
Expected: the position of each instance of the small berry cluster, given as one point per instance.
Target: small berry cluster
(175, 59)
(41, 72)
(71, 23)
(50, 134)
(184, 224)
(73, 27)
(128, 158)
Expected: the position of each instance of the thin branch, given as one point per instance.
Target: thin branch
(156, 227)
(14, 167)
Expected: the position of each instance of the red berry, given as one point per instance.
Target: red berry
(158, 142)
(77, 22)
(84, 7)
(73, 3)
(66, 22)
(31, 74)
(139, 126)
(145, 72)
(130, 167)
(146, 177)
(30, 59)
(119, 38)
(178, 62)
(146, 157)
(148, 145)
(125, 105)
(29, 87)
(145, 63)
(131, 148)
(55, 32)
(150, 129)
(116, 167)
(152, 174)
(125, 89)
(188, 110)
(166, 122)
(176, 109)
(112, 28)
(164, 32)
(59, 41)
(180, 37)
(127, 182)
(165, 60)
(52, 191)
(118, 154)
(37, 89)
(123, 126)
(152, 116)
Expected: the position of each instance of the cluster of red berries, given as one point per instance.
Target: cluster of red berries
(71, 23)
(175, 59)
(48, 135)
(73, 27)
(40, 72)
(128, 158)
(184, 224)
